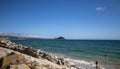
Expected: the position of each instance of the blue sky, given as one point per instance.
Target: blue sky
(73, 19)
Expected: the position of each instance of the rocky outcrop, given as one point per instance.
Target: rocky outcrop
(43, 60)
(60, 38)
(16, 60)
(30, 51)
(13, 61)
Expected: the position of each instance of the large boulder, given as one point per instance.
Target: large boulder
(31, 52)
(11, 59)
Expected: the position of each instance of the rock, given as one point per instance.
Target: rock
(2, 44)
(51, 58)
(37, 67)
(31, 62)
(2, 54)
(44, 68)
(12, 59)
(72, 64)
(60, 38)
(19, 66)
(62, 61)
(30, 51)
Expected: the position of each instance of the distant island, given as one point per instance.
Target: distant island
(12, 37)
(60, 38)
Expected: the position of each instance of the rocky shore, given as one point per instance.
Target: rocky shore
(16, 56)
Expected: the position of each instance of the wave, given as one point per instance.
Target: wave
(83, 64)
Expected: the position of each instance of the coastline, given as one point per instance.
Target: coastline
(41, 59)
(61, 62)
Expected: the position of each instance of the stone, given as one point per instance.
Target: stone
(12, 59)
(72, 64)
(19, 66)
(51, 58)
(62, 60)
(30, 51)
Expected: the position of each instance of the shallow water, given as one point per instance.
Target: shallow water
(106, 52)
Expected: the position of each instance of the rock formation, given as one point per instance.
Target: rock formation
(11, 59)
(60, 38)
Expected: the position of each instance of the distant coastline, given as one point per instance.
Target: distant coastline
(29, 38)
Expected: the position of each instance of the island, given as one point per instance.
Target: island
(60, 38)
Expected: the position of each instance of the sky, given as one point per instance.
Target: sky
(73, 19)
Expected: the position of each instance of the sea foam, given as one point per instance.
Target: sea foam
(83, 64)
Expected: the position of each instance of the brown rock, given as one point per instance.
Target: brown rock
(20, 66)
(12, 59)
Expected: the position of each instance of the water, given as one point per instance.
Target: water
(107, 52)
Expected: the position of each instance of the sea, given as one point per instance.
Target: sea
(83, 52)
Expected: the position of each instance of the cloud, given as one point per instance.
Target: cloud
(19, 35)
(30, 35)
(100, 8)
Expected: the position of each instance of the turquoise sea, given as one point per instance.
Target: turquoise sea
(106, 52)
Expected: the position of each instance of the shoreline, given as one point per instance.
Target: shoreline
(4, 43)
(61, 61)
(103, 63)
